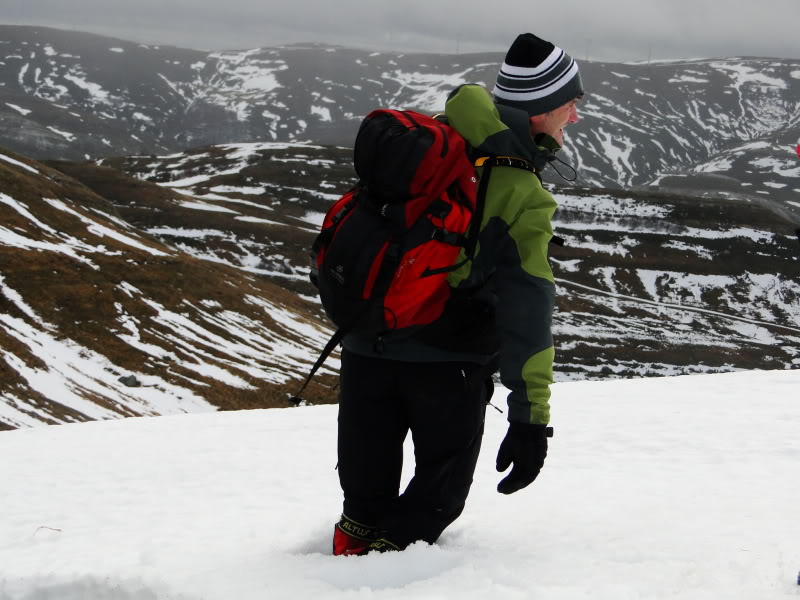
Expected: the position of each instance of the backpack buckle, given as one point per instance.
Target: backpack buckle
(448, 237)
(439, 208)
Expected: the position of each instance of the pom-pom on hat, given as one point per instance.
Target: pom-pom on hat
(537, 76)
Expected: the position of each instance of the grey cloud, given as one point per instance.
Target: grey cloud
(608, 30)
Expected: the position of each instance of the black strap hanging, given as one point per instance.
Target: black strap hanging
(326, 352)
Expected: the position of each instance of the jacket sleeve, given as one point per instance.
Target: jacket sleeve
(526, 297)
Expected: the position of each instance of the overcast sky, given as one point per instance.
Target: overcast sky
(613, 30)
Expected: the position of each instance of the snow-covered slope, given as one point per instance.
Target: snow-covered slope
(653, 489)
(100, 320)
(713, 125)
(251, 206)
(678, 282)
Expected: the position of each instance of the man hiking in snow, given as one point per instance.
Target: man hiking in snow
(437, 383)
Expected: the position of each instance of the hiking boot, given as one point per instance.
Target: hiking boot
(352, 538)
(382, 545)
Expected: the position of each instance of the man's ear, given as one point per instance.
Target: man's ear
(534, 123)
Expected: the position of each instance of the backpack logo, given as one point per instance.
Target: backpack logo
(337, 274)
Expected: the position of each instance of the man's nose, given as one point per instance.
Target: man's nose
(573, 114)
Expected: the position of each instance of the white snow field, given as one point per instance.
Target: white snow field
(682, 487)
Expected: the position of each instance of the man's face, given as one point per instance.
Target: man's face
(554, 122)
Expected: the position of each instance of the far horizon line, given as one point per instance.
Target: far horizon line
(378, 49)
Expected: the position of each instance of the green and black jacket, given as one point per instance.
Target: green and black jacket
(510, 273)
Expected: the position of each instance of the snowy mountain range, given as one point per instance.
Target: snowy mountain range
(726, 127)
(160, 280)
(178, 283)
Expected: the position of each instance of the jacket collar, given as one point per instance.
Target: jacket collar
(538, 151)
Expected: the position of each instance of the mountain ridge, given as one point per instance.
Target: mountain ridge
(642, 125)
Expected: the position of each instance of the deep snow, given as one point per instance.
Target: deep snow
(682, 487)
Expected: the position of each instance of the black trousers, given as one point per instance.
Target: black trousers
(381, 401)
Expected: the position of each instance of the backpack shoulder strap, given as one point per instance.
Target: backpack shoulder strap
(488, 163)
(516, 163)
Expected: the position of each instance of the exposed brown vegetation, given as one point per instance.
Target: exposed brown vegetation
(81, 300)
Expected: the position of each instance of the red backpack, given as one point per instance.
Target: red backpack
(386, 247)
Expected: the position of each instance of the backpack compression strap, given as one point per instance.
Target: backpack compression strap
(487, 163)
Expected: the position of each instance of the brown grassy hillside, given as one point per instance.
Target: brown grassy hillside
(78, 280)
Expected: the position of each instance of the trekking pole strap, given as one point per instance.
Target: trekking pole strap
(335, 340)
(326, 352)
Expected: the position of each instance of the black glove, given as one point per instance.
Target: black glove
(525, 445)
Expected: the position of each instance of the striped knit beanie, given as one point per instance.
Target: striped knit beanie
(537, 76)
